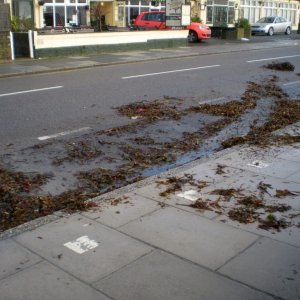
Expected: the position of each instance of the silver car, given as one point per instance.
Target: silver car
(271, 25)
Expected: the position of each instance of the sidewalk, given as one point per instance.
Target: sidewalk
(141, 245)
(153, 240)
(213, 46)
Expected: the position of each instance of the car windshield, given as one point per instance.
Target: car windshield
(266, 20)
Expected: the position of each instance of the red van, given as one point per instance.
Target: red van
(157, 20)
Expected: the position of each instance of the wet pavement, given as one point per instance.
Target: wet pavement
(140, 244)
(223, 226)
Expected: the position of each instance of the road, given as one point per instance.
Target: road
(69, 136)
(38, 107)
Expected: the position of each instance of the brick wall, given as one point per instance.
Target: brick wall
(5, 51)
(4, 17)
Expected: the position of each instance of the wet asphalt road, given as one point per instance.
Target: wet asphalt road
(83, 99)
(67, 126)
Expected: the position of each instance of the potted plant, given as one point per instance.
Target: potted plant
(196, 19)
(243, 28)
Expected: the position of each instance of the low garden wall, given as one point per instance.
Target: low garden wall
(5, 49)
(62, 44)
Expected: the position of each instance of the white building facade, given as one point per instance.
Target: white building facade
(215, 13)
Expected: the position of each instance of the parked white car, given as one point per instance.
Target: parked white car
(271, 25)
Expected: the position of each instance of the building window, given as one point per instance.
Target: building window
(135, 7)
(220, 12)
(120, 13)
(65, 13)
(23, 9)
(254, 10)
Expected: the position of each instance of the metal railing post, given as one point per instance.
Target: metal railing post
(12, 45)
(31, 48)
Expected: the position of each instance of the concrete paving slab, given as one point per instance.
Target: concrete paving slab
(15, 258)
(292, 89)
(248, 184)
(292, 130)
(260, 162)
(130, 53)
(291, 154)
(46, 282)
(152, 191)
(270, 266)
(36, 69)
(82, 247)
(84, 63)
(290, 235)
(190, 236)
(206, 172)
(23, 69)
(78, 57)
(118, 211)
(163, 276)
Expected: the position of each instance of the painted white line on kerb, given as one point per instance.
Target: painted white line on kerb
(294, 82)
(272, 58)
(47, 137)
(82, 244)
(168, 72)
(32, 91)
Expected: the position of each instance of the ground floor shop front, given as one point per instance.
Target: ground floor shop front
(121, 13)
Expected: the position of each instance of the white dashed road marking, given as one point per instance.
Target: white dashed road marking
(173, 71)
(272, 58)
(47, 137)
(292, 83)
(31, 91)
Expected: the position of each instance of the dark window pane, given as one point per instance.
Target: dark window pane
(81, 16)
(209, 14)
(134, 12)
(231, 15)
(48, 16)
(60, 16)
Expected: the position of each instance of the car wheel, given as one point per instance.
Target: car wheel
(192, 37)
(288, 31)
(271, 31)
